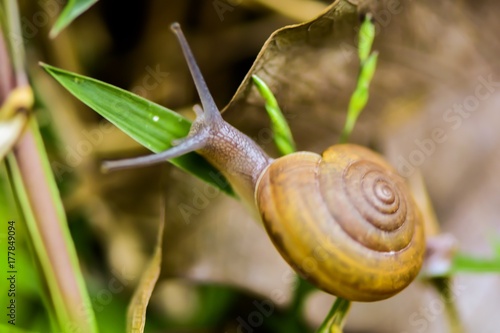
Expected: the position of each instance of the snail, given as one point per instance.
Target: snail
(344, 220)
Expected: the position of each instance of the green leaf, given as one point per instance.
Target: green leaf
(442, 286)
(28, 280)
(150, 124)
(73, 9)
(31, 176)
(35, 191)
(12, 37)
(366, 37)
(464, 263)
(282, 134)
(334, 321)
(359, 97)
(368, 64)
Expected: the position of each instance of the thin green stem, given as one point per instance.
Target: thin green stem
(36, 191)
(14, 36)
(335, 320)
(443, 287)
(46, 222)
(360, 95)
(368, 64)
(366, 37)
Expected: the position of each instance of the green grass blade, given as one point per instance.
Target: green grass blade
(368, 64)
(71, 11)
(27, 279)
(282, 134)
(334, 321)
(46, 223)
(13, 37)
(366, 37)
(360, 96)
(150, 124)
(464, 263)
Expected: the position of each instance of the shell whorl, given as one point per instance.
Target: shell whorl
(344, 220)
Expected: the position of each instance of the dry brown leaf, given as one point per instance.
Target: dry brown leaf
(309, 67)
(136, 313)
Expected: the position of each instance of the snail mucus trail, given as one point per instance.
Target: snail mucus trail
(343, 220)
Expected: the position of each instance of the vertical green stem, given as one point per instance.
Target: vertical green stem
(442, 285)
(334, 322)
(41, 205)
(13, 33)
(368, 64)
(46, 222)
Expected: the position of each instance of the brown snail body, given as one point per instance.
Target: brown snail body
(343, 220)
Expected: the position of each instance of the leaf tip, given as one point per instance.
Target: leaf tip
(48, 68)
(54, 32)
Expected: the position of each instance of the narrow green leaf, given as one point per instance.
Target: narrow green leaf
(368, 64)
(360, 95)
(31, 175)
(368, 70)
(41, 207)
(13, 37)
(282, 134)
(442, 286)
(335, 320)
(150, 124)
(27, 280)
(71, 11)
(366, 37)
(464, 263)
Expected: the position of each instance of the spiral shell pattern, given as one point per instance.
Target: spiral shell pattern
(344, 220)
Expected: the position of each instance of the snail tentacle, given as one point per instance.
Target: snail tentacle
(187, 145)
(209, 106)
(207, 119)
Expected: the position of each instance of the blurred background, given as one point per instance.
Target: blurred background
(438, 71)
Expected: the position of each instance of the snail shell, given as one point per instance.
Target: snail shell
(344, 221)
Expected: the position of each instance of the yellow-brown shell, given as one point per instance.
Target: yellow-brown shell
(344, 220)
